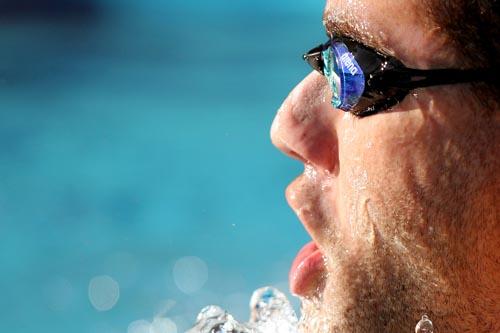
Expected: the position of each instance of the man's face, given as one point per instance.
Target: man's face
(382, 197)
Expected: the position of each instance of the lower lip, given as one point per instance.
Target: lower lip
(307, 270)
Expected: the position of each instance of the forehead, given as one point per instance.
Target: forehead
(401, 28)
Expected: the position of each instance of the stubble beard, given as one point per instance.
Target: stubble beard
(374, 291)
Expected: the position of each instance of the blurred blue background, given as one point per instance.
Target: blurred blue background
(138, 180)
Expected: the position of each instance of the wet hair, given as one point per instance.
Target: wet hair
(473, 29)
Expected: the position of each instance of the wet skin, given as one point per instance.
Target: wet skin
(403, 204)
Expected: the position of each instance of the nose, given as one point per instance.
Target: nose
(304, 127)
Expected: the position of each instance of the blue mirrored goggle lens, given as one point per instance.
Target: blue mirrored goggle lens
(345, 77)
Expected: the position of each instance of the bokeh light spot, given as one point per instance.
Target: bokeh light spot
(104, 292)
(163, 325)
(190, 274)
(139, 326)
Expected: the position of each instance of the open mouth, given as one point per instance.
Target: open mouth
(307, 272)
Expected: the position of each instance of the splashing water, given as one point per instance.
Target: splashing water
(424, 325)
(270, 312)
(213, 319)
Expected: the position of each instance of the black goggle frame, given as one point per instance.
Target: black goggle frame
(387, 80)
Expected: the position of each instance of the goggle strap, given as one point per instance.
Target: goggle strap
(414, 78)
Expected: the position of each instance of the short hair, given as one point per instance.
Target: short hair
(473, 29)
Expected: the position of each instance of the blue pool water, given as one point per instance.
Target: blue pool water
(135, 134)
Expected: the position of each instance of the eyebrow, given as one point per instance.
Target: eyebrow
(345, 27)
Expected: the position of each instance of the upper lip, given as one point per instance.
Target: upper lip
(304, 196)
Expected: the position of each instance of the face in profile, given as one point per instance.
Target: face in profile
(390, 200)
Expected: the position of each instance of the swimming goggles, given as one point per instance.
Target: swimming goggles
(365, 81)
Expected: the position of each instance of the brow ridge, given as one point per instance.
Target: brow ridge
(336, 26)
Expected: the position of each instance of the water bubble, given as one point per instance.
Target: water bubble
(139, 326)
(424, 325)
(190, 274)
(104, 292)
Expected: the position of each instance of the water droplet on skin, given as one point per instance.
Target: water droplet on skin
(325, 187)
(424, 325)
(310, 172)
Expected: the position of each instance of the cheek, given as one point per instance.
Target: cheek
(384, 161)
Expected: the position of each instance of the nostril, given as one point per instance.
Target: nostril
(286, 147)
(315, 145)
(293, 154)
